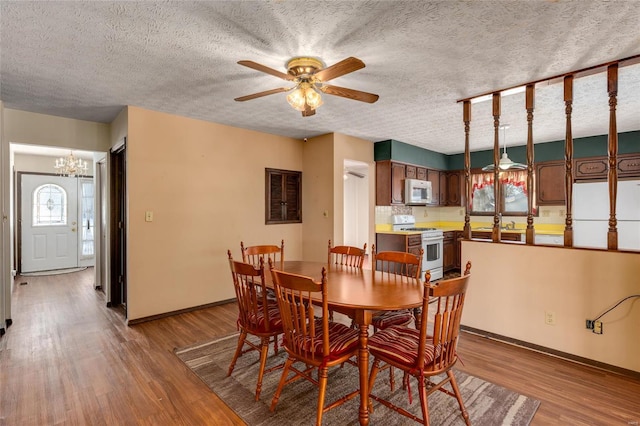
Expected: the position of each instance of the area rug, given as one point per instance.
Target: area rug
(487, 403)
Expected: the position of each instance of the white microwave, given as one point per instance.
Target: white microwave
(417, 192)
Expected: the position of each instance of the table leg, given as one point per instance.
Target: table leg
(363, 366)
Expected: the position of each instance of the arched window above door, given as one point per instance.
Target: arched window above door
(49, 205)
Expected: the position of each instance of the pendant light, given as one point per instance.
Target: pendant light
(505, 162)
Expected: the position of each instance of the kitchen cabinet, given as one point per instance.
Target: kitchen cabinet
(629, 166)
(389, 183)
(411, 243)
(455, 188)
(596, 168)
(443, 189)
(550, 183)
(458, 250)
(411, 172)
(504, 236)
(421, 173)
(591, 168)
(449, 251)
(433, 176)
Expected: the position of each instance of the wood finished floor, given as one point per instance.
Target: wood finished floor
(67, 359)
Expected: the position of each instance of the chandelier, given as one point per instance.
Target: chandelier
(71, 166)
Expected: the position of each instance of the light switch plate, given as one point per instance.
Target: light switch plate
(148, 216)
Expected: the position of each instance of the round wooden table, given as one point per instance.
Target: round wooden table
(361, 292)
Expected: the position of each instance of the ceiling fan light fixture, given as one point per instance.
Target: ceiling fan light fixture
(297, 99)
(304, 96)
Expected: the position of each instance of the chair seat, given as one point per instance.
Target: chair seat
(387, 319)
(400, 344)
(257, 320)
(342, 339)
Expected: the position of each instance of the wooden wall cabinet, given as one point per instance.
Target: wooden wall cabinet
(389, 183)
(629, 166)
(550, 183)
(433, 176)
(591, 168)
(455, 188)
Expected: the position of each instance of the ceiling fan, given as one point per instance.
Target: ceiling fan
(309, 78)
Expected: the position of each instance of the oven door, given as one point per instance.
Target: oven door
(432, 259)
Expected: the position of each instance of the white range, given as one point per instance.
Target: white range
(432, 242)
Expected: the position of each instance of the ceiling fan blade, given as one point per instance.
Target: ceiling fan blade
(308, 112)
(343, 67)
(259, 67)
(356, 95)
(261, 94)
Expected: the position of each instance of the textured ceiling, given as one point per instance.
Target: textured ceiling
(87, 60)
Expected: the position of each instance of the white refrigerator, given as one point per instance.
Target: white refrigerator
(591, 214)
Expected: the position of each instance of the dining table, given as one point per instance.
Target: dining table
(361, 293)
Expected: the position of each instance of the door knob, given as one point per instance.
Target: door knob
(73, 223)
(73, 229)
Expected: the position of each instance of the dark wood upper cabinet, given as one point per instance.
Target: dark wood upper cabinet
(389, 183)
(411, 172)
(443, 189)
(455, 188)
(433, 176)
(629, 166)
(550, 183)
(421, 173)
(283, 196)
(591, 168)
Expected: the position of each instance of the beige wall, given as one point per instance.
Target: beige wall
(39, 129)
(119, 127)
(513, 285)
(204, 183)
(317, 197)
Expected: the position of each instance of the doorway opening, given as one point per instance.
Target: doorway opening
(356, 203)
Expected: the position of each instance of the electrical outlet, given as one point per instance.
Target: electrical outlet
(597, 327)
(545, 213)
(549, 317)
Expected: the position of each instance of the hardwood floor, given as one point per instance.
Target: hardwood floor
(67, 359)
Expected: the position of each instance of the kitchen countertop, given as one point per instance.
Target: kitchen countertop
(540, 229)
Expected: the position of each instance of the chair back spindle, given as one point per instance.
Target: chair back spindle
(348, 256)
(253, 254)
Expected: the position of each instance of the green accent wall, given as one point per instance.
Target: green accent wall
(405, 153)
(592, 146)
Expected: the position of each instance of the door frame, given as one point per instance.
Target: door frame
(118, 226)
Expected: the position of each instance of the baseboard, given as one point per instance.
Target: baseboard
(552, 352)
(178, 312)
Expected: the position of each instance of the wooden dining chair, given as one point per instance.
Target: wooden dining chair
(309, 337)
(424, 354)
(253, 254)
(348, 256)
(256, 316)
(405, 267)
(345, 257)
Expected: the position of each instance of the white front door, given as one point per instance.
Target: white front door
(49, 223)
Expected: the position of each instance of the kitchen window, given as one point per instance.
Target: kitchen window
(512, 193)
(283, 196)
